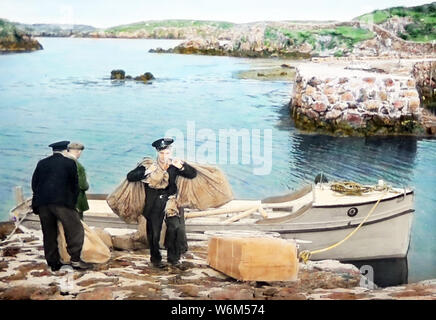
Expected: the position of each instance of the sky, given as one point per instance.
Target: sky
(107, 13)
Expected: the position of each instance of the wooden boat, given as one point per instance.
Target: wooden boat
(315, 217)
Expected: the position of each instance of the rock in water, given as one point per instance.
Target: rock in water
(14, 40)
(145, 77)
(118, 75)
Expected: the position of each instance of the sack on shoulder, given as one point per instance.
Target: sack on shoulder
(209, 189)
(128, 200)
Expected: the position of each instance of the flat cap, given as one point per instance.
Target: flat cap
(59, 146)
(163, 143)
(76, 145)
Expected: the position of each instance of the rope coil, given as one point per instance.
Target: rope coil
(354, 188)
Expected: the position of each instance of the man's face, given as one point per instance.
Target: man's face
(77, 153)
(164, 155)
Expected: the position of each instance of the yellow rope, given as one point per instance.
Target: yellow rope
(306, 254)
(354, 188)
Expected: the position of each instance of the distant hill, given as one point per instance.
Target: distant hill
(55, 30)
(166, 29)
(409, 23)
(14, 40)
(270, 38)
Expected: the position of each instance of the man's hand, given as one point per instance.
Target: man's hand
(177, 163)
(150, 169)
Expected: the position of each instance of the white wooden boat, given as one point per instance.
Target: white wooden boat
(315, 216)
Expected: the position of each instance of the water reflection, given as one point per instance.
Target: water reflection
(363, 160)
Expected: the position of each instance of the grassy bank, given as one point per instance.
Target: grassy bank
(340, 37)
(422, 21)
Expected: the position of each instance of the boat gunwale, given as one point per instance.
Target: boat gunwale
(98, 197)
(262, 226)
(363, 203)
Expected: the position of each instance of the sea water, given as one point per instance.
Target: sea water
(64, 92)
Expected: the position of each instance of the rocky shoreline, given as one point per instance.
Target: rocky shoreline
(13, 40)
(394, 32)
(128, 276)
(303, 41)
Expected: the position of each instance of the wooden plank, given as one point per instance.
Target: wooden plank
(96, 196)
(288, 217)
(263, 212)
(212, 212)
(241, 215)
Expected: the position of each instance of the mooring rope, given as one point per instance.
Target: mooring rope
(306, 254)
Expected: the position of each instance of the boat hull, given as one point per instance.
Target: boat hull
(385, 234)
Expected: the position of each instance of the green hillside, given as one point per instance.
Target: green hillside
(151, 25)
(421, 28)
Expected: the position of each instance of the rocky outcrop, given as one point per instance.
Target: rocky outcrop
(121, 75)
(145, 77)
(118, 75)
(237, 48)
(410, 23)
(345, 102)
(387, 45)
(425, 75)
(14, 40)
(303, 40)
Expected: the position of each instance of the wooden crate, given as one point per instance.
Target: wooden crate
(254, 259)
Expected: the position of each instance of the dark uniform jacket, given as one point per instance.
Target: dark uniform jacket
(151, 194)
(55, 181)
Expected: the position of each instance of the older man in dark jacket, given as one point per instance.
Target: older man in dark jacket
(55, 190)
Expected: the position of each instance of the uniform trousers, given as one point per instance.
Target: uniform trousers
(175, 236)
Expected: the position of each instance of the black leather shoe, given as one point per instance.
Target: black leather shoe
(56, 267)
(81, 265)
(159, 265)
(180, 266)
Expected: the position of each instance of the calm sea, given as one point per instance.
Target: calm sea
(64, 93)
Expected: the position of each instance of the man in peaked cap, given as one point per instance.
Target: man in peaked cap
(55, 190)
(162, 144)
(59, 146)
(159, 178)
